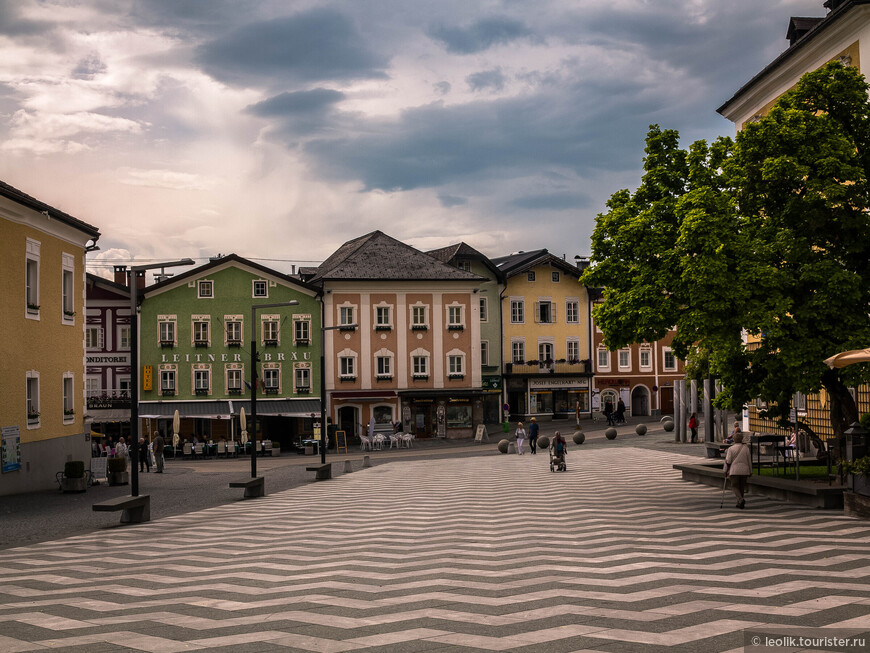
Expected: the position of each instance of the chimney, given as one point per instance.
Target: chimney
(140, 279)
(121, 275)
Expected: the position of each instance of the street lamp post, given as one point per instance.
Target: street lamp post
(323, 430)
(254, 357)
(134, 365)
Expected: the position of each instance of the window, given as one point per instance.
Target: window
(205, 289)
(518, 351)
(167, 382)
(383, 320)
(419, 318)
(234, 381)
(92, 386)
(347, 366)
(383, 366)
(517, 311)
(454, 317)
(124, 337)
(200, 333)
(201, 381)
(484, 352)
(555, 277)
(68, 298)
(670, 361)
(572, 349)
(345, 316)
(167, 333)
(530, 275)
(420, 366)
(261, 288)
(545, 312)
(271, 379)
(484, 310)
(303, 379)
(603, 359)
(800, 402)
(270, 332)
(455, 366)
(124, 386)
(645, 359)
(545, 353)
(31, 281)
(624, 359)
(464, 265)
(234, 332)
(32, 398)
(302, 332)
(68, 398)
(94, 338)
(572, 311)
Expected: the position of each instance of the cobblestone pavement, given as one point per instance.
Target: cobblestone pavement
(474, 553)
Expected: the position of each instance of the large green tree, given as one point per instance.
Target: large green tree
(768, 234)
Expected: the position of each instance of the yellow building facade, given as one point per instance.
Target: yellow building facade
(842, 35)
(42, 309)
(546, 336)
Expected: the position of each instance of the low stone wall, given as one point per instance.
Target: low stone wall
(816, 495)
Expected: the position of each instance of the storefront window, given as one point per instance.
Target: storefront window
(459, 416)
(581, 396)
(383, 414)
(541, 401)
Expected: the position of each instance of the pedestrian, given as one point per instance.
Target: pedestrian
(121, 448)
(560, 449)
(521, 437)
(608, 413)
(693, 425)
(533, 436)
(738, 467)
(158, 445)
(371, 430)
(577, 413)
(620, 412)
(734, 431)
(144, 459)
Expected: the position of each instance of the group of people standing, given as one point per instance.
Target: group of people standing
(614, 416)
(532, 435)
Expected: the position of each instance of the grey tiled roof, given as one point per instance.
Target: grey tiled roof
(521, 261)
(377, 256)
(464, 251)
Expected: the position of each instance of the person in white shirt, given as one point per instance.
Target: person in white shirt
(521, 437)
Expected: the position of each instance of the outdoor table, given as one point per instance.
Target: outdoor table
(776, 441)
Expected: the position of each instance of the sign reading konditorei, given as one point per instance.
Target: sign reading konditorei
(108, 359)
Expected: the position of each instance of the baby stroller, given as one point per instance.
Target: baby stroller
(557, 457)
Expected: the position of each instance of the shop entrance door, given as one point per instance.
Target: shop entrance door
(348, 418)
(423, 419)
(666, 400)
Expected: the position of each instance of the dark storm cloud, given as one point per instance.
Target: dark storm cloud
(13, 24)
(298, 102)
(480, 35)
(311, 46)
(552, 202)
(89, 67)
(486, 79)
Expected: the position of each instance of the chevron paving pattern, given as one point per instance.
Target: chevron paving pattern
(494, 553)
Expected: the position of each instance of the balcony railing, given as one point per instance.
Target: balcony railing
(580, 367)
(108, 400)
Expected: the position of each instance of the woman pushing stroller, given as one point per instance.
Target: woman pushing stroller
(558, 452)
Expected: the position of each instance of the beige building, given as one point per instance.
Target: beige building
(42, 358)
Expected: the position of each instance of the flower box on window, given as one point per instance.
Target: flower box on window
(347, 327)
(455, 327)
(271, 391)
(69, 413)
(200, 343)
(420, 377)
(347, 378)
(383, 327)
(167, 343)
(302, 342)
(234, 343)
(33, 308)
(574, 361)
(32, 417)
(419, 327)
(271, 342)
(69, 314)
(202, 391)
(384, 377)
(455, 376)
(234, 391)
(303, 389)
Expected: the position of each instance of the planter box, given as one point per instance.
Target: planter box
(73, 484)
(118, 478)
(856, 505)
(276, 451)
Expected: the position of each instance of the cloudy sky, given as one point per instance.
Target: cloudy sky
(280, 129)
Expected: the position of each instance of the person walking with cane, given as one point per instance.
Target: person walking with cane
(738, 467)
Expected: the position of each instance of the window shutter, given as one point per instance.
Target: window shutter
(553, 313)
(537, 312)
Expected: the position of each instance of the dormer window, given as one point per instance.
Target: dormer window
(205, 289)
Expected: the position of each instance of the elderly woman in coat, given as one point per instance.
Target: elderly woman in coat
(738, 467)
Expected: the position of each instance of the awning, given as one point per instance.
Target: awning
(108, 415)
(363, 395)
(280, 407)
(441, 393)
(186, 409)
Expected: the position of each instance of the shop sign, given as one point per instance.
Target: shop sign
(491, 383)
(602, 381)
(109, 359)
(555, 384)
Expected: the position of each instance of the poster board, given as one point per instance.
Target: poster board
(480, 435)
(98, 467)
(10, 449)
(340, 441)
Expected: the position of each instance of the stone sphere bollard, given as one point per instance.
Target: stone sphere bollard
(579, 437)
(666, 418)
(503, 446)
(543, 442)
(640, 429)
(610, 433)
(669, 425)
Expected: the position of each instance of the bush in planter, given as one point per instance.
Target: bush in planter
(117, 464)
(74, 469)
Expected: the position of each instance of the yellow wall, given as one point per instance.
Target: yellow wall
(544, 287)
(47, 345)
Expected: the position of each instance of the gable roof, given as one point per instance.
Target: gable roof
(838, 8)
(464, 251)
(378, 257)
(223, 260)
(119, 289)
(514, 264)
(56, 214)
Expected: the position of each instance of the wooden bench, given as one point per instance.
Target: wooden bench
(254, 487)
(716, 449)
(135, 509)
(324, 472)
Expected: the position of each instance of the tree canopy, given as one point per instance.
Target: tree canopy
(767, 234)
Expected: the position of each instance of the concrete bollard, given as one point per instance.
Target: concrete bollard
(366, 462)
(348, 467)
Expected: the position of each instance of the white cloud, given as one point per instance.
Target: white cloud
(165, 179)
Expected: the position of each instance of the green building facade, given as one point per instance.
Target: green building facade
(195, 335)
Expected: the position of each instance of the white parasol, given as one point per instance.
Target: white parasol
(845, 358)
(243, 422)
(176, 427)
